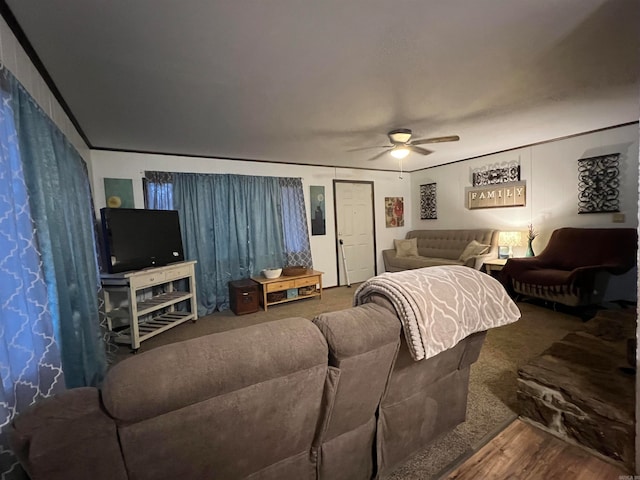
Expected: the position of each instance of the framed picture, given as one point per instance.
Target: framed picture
(394, 211)
(318, 225)
(118, 192)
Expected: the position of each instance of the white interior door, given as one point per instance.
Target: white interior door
(355, 227)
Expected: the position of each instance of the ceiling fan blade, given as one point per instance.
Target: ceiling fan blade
(422, 141)
(375, 157)
(367, 148)
(420, 150)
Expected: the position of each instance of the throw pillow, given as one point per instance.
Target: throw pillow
(474, 248)
(406, 248)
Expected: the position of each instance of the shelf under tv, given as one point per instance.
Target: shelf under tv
(161, 301)
(138, 295)
(153, 327)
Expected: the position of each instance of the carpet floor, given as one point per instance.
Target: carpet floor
(492, 388)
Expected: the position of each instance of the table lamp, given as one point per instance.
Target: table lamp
(510, 239)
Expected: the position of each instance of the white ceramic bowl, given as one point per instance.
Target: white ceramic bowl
(272, 272)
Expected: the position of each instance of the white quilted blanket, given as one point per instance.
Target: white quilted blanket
(439, 306)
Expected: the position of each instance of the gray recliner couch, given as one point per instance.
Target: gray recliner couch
(336, 398)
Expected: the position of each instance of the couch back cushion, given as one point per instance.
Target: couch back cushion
(222, 406)
(450, 243)
(363, 343)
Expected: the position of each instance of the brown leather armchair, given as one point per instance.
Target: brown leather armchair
(575, 267)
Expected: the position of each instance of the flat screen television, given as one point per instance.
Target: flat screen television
(139, 238)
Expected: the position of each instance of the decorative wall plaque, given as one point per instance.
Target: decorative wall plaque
(500, 173)
(428, 205)
(504, 195)
(598, 184)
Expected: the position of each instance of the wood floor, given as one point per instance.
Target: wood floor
(523, 451)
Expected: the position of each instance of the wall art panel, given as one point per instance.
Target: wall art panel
(493, 174)
(599, 184)
(428, 202)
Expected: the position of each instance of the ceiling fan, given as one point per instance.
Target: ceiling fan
(402, 145)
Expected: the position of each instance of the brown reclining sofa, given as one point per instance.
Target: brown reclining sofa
(575, 266)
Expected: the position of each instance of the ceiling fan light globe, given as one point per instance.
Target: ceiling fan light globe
(399, 136)
(400, 152)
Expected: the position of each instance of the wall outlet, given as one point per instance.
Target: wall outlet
(618, 217)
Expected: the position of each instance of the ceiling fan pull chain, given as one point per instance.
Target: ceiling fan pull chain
(400, 177)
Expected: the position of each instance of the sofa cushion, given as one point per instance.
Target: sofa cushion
(163, 380)
(546, 276)
(406, 247)
(449, 243)
(474, 248)
(407, 263)
(235, 404)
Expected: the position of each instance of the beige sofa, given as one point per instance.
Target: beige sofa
(442, 247)
(336, 398)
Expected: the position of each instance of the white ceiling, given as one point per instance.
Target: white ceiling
(308, 81)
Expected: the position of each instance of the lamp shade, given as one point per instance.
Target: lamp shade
(510, 239)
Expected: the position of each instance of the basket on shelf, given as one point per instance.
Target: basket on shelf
(276, 296)
(308, 290)
(294, 270)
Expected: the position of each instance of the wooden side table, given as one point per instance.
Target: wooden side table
(289, 283)
(495, 265)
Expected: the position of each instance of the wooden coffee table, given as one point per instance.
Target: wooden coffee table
(284, 283)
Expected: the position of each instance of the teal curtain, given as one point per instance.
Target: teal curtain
(61, 207)
(232, 225)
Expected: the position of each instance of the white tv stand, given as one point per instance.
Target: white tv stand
(142, 303)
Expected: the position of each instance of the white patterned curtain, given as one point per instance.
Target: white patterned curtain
(294, 223)
(158, 190)
(30, 362)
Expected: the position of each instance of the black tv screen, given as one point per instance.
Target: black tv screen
(140, 238)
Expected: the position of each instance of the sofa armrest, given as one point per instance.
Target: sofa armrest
(43, 436)
(478, 260)
(515, 267)
(613, 269)
(388, 256)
